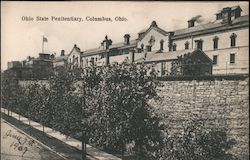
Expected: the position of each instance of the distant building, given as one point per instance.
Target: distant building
(191, 62)
(42, 67)
(62, 60)
(14, 64)
(33, 68)
(74, 57)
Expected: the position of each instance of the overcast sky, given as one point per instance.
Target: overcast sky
(20, 39)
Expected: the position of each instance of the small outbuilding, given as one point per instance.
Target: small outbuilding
(192, 62)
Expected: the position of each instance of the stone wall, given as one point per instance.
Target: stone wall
(221, 100)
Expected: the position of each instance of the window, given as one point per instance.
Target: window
(187, 45)
(174, 47)
(215, 59)
(163, 64)
(149, 48)
(142, 46)
(92, 61)
(216, 39)
(151, 41)
(199, 44)
(237, 14)
(218, 16)
(233, 40)
(232, 58)
(161, 44)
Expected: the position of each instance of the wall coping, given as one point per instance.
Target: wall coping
(207, 77)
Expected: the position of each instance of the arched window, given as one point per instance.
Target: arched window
(187, 45)
(233, 39)
(199, 44)
(161, 45)
(151, 41)
(216, 39)
(142, 46)
(174, 47)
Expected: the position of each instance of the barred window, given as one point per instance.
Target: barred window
(215, 59)
(232, 58)
(174, 47)
(216, 40)
(233, 40)
(161, 44)
(187, 45)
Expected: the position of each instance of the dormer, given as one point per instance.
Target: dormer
(228, 13)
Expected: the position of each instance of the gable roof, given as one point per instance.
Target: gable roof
(75, 48)
(156, 28)
(169, 56)
(120, 45)
(93, 51)
(211, 27)
(61, 58)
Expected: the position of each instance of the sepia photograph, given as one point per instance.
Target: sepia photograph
(124, 80)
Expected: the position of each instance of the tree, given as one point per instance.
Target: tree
(32, 100)
(121, 114)
(9, 90)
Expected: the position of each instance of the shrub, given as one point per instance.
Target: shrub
(199, 143)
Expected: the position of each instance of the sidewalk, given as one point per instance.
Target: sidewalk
(91, 151)
(25, 147)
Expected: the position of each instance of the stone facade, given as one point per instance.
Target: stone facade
(223, 65)
(227, 58)
(222, 101)
(74, 57)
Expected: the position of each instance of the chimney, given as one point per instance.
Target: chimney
(132, 55)
(52, 56)
(191, 23)
(107, 59)
(106, 42)
(62, 53)
(126, 39)
(227, 15)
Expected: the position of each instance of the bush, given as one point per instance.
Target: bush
(199, 143)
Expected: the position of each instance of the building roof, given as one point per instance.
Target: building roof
(93, 51)
(120, 45)
(61, 58)
(77, 49)
(172, 55)
(143, 31)
(211, 27)
(232, 8)
(155, 27)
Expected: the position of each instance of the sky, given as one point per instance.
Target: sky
(20, 38)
